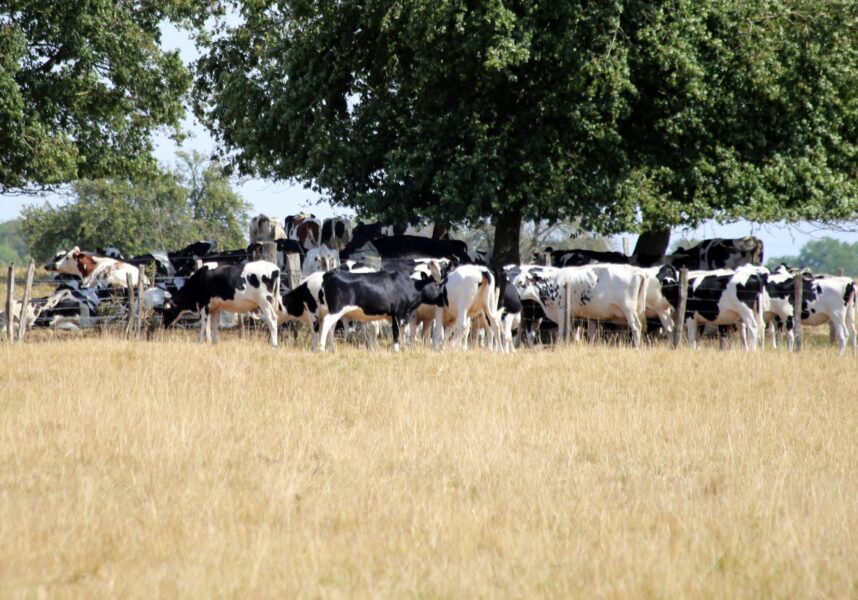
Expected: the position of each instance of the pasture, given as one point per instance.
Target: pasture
(173, 469)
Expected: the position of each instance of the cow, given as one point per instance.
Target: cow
(320, 259)
(235, 288)
(305, 303)
(718, 253)
(615, 293)
(266, 229)
(95, 270)
(467, 292)
(376, 296)
(825, 298)
(579, 258)
(336, 233)
(719, 297)
(305, 229)
(69, 307)
(412, 246)
(184, 261)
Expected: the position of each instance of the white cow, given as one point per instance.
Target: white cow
(266, 229)
(320, 259)
(468, 292)
(598, 292)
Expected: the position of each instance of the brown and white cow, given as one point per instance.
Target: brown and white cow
(95, 270)
(305, 229)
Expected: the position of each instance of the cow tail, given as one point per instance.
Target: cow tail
(278, 301)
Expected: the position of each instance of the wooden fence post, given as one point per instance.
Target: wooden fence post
(567, 318)
(141, 275)
(10, 302)
(267, 251)
(129, 326)
(798, 283)
(28, 292)
(679, 318)
(293, 269)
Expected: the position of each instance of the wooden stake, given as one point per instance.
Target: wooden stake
(798, 291)
(293, 269)
(28, 292)
(679, 318)
(129, 326)
(141, 274)
(10, 302)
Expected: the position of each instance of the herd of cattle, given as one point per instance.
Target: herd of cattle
(438, 290)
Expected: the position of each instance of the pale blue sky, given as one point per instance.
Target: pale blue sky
(281, 199)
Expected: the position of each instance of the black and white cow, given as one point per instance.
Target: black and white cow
(467, 292)
(825, 298)
(719, 253)
(184, 260)
(613, 293)
(336, 233)
(375, 296)
(720, 297)
(235, 288)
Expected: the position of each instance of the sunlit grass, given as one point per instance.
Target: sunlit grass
(170, 468)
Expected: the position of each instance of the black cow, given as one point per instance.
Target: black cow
(412, 246)
(375, 296)
(718, 253)
(236, 288)
(578, 258)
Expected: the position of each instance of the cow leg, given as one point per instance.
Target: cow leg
(772, 330)
(204, 326)
(691, 332)
(592, 331)
(329, 321)
(269, 315)
(394, 325)
(214, 324)
(749, 318)
(838, 321)
(439, 333)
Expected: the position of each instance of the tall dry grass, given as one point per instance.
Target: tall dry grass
(172, 469)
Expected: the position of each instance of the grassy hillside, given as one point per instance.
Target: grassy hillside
(176, 469)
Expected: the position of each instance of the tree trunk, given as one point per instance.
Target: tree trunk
(507, 230)
(651, 246)
(440, 231)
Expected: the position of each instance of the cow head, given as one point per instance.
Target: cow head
(320, 259)
(65, 262)
(169, 311)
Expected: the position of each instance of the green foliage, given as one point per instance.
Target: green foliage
(83, 85)
(166, 212)
(13, 248)
(824, 255)
(625, 115)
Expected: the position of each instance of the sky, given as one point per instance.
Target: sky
(280, 199)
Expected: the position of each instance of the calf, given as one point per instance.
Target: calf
(599, 292)
(235, 288)
(375, 296)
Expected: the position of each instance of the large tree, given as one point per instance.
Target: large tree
(83, 85)
(624, 115)
(193, 202)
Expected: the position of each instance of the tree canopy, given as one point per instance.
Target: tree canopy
(83, 85)
(193, 202)
(625, 115)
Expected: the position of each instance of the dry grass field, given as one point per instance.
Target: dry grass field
(168, 469)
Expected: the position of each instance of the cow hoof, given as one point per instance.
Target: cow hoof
(396, 347)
